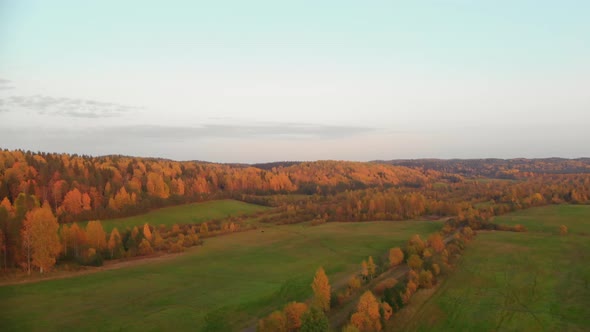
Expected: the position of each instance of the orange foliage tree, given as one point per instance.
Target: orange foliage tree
(147, 233)
(275, 322)
(115, 244)
(96, 235)
(321, 290)
(436, 242)
(396, 256)
(293, 313)
(414, 262)
(40, 235)
(367, 317)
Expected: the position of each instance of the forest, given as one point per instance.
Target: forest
(61, 212)
(43, 197)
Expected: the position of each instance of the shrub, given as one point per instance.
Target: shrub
(563, 230)
(396, 256)
(145, 248)
(425, 278)
(385, 284)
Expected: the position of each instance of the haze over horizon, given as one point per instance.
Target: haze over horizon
(263, 81)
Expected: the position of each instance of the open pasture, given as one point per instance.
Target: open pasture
(535, 281)
(223, 285)
(186, 214)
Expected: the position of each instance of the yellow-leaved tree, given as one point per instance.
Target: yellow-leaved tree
(97, 238)
(371, 267)
(115, 243)
(396, 256)
(367, 317)
(293, 313)
(436, 242)
(321, 290)
(40, 238)
(147, 233)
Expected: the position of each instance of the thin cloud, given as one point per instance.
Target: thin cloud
(5, 84)
(276, 131)
(67, 107)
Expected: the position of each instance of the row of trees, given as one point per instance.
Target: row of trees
(427, 260)
(31, 237)
(468, 199)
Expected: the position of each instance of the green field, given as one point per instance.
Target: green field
(223, 285)
(186, 214)
(534, 281)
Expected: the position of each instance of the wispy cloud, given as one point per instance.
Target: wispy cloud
(174, 134)
(5, 84)
(277, 131)
(67, 107)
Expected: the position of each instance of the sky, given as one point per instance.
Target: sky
(258, 81)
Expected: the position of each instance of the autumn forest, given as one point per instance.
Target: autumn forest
(62, 215)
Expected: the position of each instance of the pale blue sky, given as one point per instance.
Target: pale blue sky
(249, 81)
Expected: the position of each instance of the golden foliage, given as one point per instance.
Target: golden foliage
(321, 290)
(354, 283)
(293, 313)
(275, 322)
(115, 241)
(425, 278)
(96, 235)
(385, 284)
(396, 256)
(40, 229)
(367, 316)
(387, 310)
(563, 230)
(410, 290)
(371, 267)
(414, 262)
(147, 233)
(436, 242)
(144, 248)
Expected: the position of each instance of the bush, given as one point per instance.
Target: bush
(91, 258)
(425, 278)
(176, 247)
(145, 248)
(385, 284)
(563, 230)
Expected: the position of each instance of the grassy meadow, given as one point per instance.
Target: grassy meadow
(223, 285)
(186, 214)
(534, 281)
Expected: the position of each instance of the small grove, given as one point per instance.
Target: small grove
(427, 261)
(43, 242)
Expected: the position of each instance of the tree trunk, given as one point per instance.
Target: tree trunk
(29, 260)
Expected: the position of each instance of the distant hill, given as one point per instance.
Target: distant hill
(498, 168)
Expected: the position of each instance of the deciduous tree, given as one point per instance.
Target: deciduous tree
(40, 234)
(96, 235)
(436, 242)
(115, 243)
(371, 267)
(147, 233)
(367, 317)
(293, 313)
(321, 290)
(414, 262)
(314, 320)
(396, 256)
(275, 322)
(563, 230)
